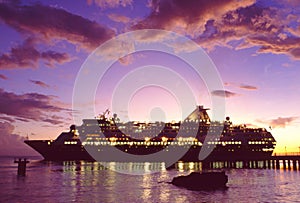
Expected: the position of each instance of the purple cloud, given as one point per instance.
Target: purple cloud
(248, 87)
(30, 106)
(110, 3)
(51, 23)
(27, 56)
(217, 23)
(223, 93)
(188, 16)
(3, 77)
(39, 83)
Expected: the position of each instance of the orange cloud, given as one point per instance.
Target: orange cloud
(118, 18)
(217, 23)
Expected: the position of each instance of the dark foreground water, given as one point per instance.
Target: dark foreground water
(91, 182)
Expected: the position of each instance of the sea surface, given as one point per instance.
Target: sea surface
(92, 182)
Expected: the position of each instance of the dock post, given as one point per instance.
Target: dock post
(289, 164)
(264, 164)
(294, 165)
(21, 166)
(273, 163)
(277, 164)
(284, 164)
(256, 164)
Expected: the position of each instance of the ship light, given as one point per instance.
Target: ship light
(164, 139)
(113, 139)
(147, 139)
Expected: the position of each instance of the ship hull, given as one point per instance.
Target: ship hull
(52, 152)
(78, 152)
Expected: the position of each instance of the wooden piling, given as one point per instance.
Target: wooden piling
(21, 166)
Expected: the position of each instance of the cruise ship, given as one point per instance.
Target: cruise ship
(105, 138)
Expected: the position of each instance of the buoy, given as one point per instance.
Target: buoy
(21, 166)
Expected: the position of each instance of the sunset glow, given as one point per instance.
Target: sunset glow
(254, 45)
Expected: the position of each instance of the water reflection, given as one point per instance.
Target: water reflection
(92, 182)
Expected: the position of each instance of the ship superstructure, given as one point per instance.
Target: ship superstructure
(103, 134)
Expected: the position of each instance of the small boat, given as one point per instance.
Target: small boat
(202, 181)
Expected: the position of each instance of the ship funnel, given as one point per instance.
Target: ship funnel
(72, 128)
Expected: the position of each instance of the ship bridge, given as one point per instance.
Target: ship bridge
(199, 114)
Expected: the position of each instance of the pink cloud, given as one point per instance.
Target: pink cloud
(241, 86)
(280, 122)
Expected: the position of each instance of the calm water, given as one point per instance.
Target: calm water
(91, 182)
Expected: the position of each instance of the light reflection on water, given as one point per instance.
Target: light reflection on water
(92, 182)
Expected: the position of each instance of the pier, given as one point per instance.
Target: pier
(286, 161)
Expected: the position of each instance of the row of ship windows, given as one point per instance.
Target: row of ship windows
(70, 142)
(114, 139)
(226, 142)
(142, 143)
(258, 142)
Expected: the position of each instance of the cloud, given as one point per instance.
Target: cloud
(241, 86)
(118, 18)
(187, 17)
(52, 24)
(110, 3)
(6, 118)
(27, 56)
(280, 122)
(248, 87)
(30, 106)
(13, 144)
(223, 93)
(3, 77)
(39, 83)
(269, 29)
(217, 23)
(268, 44)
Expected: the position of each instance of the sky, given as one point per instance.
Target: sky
(255, 46)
